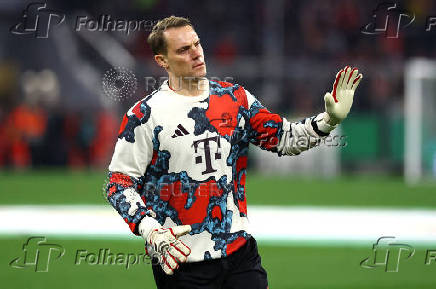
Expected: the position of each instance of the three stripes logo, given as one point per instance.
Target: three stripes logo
(180, 131)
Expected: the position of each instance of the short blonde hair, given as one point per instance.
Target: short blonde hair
(156, 39)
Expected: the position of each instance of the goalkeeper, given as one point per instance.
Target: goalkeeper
(177, 175)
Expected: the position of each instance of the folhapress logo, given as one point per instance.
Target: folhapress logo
(388, 20)
(387, 253)
(37, 21)
(37, 253)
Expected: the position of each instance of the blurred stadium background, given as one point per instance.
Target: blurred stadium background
(58, 126)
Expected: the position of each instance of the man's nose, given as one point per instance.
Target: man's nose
(195, 52)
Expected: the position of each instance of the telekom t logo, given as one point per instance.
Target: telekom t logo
(388, 20)
(207, 153)
(37, 20)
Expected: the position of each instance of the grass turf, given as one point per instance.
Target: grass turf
(287, 266)
(292, 266)
(86, 187)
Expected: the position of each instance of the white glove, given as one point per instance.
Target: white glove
(338, 102)
(165, 245)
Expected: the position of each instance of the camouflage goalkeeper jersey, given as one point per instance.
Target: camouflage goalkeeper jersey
(182, 160)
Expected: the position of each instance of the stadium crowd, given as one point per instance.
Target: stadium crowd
(47, 118)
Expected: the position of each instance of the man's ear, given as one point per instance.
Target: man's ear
(161, 60)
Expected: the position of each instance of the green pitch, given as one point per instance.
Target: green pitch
(289, 266)
(47, 187)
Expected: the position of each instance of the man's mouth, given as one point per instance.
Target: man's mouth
(198, 65)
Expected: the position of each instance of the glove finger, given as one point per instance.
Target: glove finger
(178, 231)
(179, 256)
(165, 266)
(347, 71)
(357, 81)
(351, 78)
(167, 269)
(336, 83)
(329, 101)
(169, 263)
(181, 247)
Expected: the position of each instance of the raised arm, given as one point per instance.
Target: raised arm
(274, 133)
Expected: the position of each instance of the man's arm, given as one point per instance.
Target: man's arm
(133, 153)
(274, 133)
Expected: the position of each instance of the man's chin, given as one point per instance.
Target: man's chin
(200, 74)
(195, 74)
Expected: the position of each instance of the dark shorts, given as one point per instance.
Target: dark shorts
(240, 270)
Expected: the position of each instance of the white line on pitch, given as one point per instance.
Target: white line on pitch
(267, 223)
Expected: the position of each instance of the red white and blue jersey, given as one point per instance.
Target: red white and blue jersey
(181, 160)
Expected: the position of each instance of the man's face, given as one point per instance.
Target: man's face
(185, 56)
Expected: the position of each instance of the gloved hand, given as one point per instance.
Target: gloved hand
(165, 245)
(338, 102)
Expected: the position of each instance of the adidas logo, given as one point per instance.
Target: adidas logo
(180, 131)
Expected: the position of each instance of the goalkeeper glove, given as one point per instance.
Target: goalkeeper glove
(163, 243)
(339, 101)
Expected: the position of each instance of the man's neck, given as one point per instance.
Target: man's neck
(188, 86)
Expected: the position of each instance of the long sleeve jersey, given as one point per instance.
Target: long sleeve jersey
(182, 160)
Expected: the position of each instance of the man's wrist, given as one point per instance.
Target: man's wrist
(147, 225)
(330, 120)
(325, 123)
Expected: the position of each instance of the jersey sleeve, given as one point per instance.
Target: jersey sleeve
(133, 152)
(274, 133)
